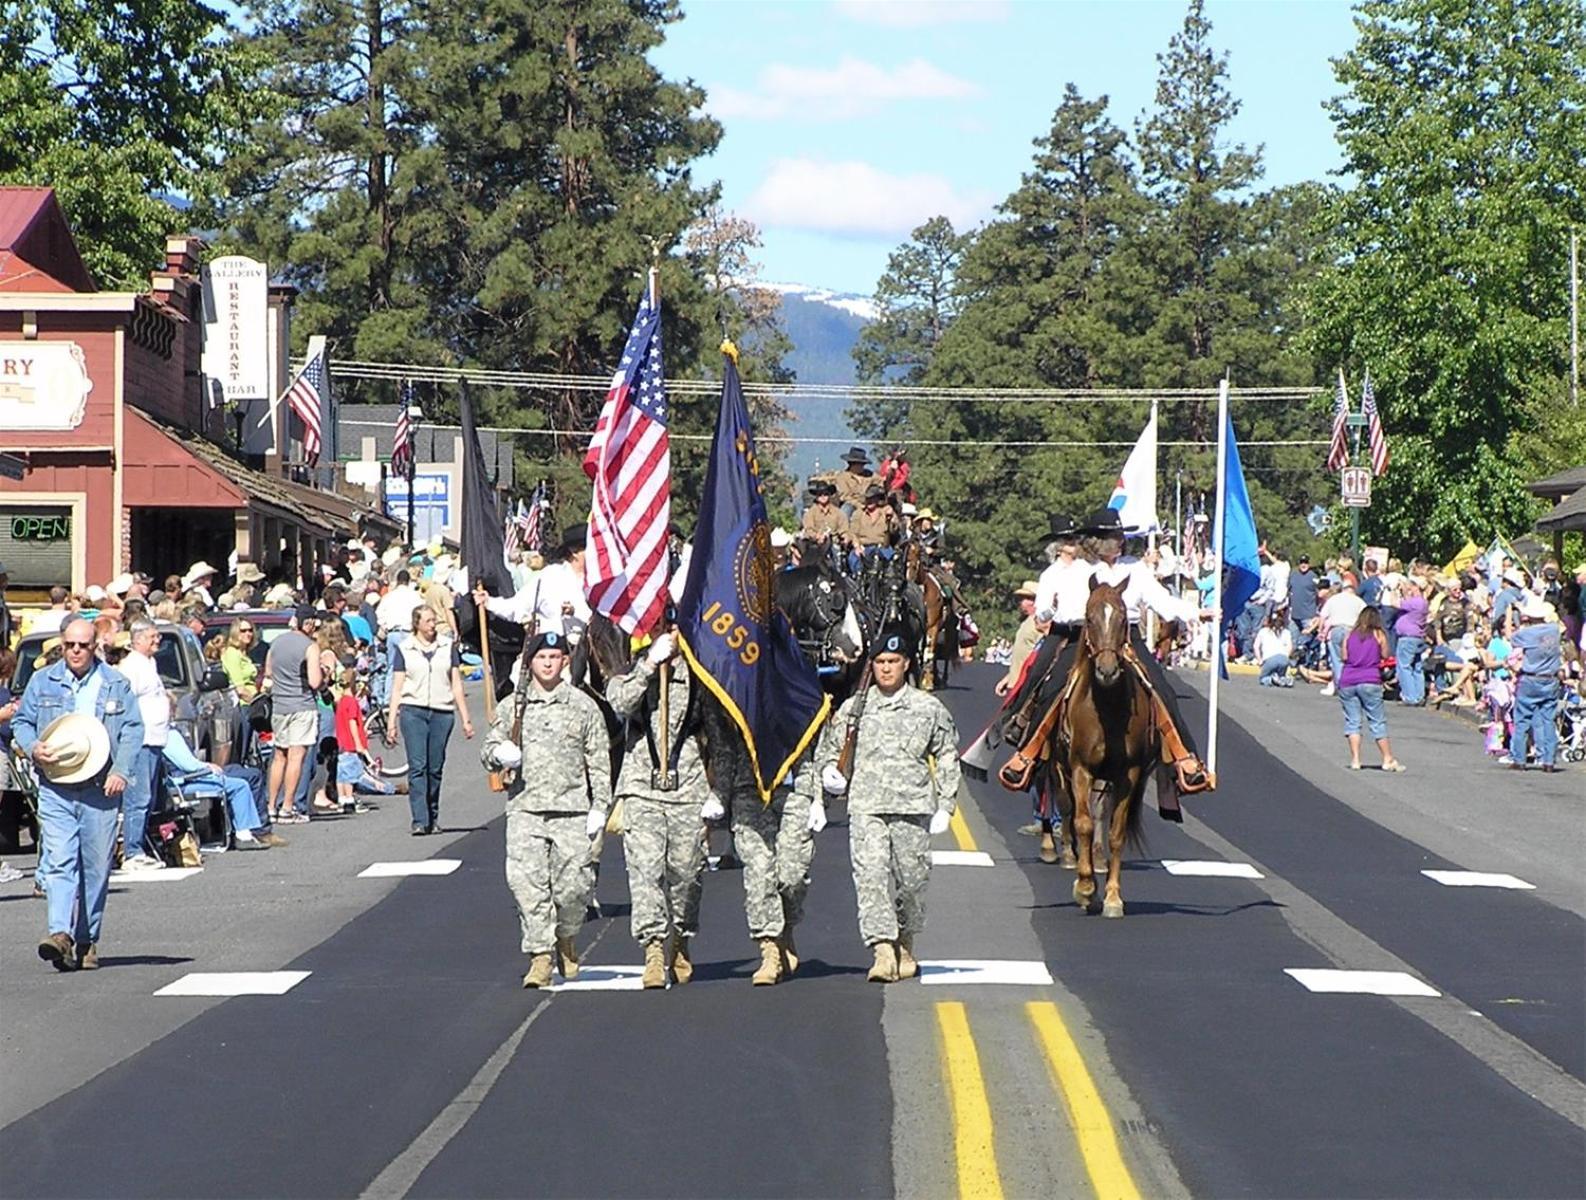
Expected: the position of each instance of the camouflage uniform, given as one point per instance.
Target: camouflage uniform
(905, 769)
(776, 846)
(663, 835)
(566, 772)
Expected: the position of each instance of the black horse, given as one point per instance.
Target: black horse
(819, 604)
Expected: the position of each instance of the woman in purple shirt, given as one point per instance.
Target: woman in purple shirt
(1360, 687)
(1410, 629)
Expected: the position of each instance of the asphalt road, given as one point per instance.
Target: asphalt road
(1170, 1053)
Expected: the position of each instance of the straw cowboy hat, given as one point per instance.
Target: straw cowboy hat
(199, 570)
(1534, 609)
(1026, 590)
(80, 745)
(248, 572)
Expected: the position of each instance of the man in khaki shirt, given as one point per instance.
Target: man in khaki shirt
(823, 520)
(1024, 640)
(853, 481)
(875, 523)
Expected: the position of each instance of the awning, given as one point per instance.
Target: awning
(1569, 514)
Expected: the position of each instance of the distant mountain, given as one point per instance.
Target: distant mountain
(823, 327)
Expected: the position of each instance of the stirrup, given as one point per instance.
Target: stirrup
(1017, 772)
(1194, 779)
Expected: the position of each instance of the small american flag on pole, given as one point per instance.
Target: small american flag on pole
(1338, 452)
(630, 463)
(1379, 440)
(402, 444)
(534, 521)
(306, 396)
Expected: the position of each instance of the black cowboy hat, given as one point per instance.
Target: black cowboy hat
(1061, 525)
(894, 639)
(856, 455)
(574, 536)
(1102, 522)
(875, 492)
(822, 487)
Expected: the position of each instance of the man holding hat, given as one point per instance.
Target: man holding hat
(554, 738)
(1536, 691)
(824, 521)
(78, 719)
(902, 786)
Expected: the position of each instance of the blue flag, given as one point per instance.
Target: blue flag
(1239, 555)
(736, 639)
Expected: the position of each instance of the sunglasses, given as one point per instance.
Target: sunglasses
(78, 645)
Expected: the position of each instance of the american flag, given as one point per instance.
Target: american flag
(305, 398)
(534, 520)
(512, 531)
(630, 463)
(402, 445)
(1338, 452)
(1379, 440)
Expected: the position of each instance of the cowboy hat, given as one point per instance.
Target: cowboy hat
(43, 659)
(822, 487)
(574, 537)
(280, 596)
(248, 572)
(95, 594)
(1534, 609)
(1061, 525)
(1102, 522)
(120, 585)
(910, 511)
(1026, 590)
(856, 455)
(199, 570)
(80, 745)
(1513, 576)
(875, 492)
(780, 538)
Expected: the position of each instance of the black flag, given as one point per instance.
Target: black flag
(483, 553)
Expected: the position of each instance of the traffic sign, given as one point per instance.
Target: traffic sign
(1356, 487)
(12, 467)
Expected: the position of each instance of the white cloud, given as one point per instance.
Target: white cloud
(852, 88)
(915, 14)
(855, 199)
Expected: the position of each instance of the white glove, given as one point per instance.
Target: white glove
(940, 821)
(817, 816)
(832, 779)
(712, 809)
(507, 755)
(661, 649)
(595, 822)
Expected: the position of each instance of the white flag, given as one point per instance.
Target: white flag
(1135, 494)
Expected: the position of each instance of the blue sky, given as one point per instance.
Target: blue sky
(848, 122)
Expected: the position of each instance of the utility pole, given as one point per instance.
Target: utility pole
(1357, 422)
(1574, 318)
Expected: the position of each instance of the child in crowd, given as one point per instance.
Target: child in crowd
(355, 770)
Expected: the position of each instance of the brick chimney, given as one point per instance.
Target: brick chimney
(182, 254)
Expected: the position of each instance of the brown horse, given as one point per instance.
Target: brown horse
(1106, 736)
(941, 621)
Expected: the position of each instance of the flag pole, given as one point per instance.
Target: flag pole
(413, 455)
(1150, 540)
(1217, 574)
(664, 750)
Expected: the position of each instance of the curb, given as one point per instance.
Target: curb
(1469, 716)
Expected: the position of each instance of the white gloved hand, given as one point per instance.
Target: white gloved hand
(940, 821)
(661, 649)
(595, 822)
(712, 809)
(832, 779)
(817, 816)
(507, 755)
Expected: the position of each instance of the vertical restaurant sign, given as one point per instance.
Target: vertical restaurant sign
(236, 336)
(43, 385)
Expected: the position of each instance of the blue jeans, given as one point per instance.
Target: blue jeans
(79, 824)
(138, 799)
(1367, 697)
(425, 732)
(1275, 671)
(305, 781)
(1535, 719)
(1335, 651)
(1412, 679)
(1247, 623)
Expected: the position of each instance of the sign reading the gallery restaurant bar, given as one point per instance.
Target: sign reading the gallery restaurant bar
(43, 385)
(236, 308)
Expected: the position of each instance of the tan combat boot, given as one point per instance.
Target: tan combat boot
(770, 963)
(907, 967)
(682, 968)
(885, 967)
(654, 965)
(566, 958)
(790, 954)
(539, 975)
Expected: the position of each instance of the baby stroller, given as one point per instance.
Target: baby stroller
(1498, 698)
(1572, 725)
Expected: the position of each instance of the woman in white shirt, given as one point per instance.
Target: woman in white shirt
(1274, 648)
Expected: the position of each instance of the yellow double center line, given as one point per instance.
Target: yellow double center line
(974, 1135)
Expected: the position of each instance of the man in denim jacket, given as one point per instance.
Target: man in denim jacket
(78, 819)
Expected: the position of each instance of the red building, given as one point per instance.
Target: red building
(124, 464)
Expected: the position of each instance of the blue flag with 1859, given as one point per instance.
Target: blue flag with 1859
(736, 639)
(1239, 552)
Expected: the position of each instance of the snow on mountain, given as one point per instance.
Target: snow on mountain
(862, 307)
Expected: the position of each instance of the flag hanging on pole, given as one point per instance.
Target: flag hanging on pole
(1338, 451)
(735, 638)
(1134, 497)
(482, 551)
(1237, 543)
(306, 398)
(630, 463)
(534, 521)
(1377, 438)
(511, 533)
(402, 443)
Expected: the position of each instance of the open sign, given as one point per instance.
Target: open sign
(41, 529)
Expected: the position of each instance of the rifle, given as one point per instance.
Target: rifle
(845, 757)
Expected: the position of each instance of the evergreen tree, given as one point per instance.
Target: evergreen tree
(1462, 123)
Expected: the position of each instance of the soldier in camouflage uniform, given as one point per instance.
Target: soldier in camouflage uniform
(562, 760)
(663, 832)
(776, 843)
(904, 789)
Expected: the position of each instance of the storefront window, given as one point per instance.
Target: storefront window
(36, 545)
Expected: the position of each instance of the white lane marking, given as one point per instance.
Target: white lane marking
(960, 858)
(603, 979)
(985, 970)
(234, 983)
(426, 866)
(1227, 870)
(169, 875)
(1479, 879)
(1364, 983)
